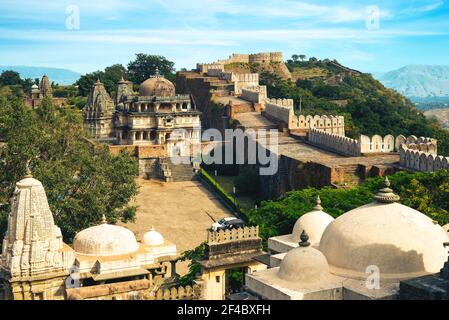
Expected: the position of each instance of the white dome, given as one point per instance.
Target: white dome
(446, 228)
(304, 264)
(315, 222)
(397, 239)
(105, 240)
(152, 238)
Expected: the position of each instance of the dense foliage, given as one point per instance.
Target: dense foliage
(12, 79)
(109, 77)
(82, 181)
(369, 108)
(137, 71)
(146, 65)
(425, 192)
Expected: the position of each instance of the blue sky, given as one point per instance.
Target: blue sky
(35, 33)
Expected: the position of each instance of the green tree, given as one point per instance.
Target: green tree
(10, 78)
(146, 65)
(110, 77)
(193, 256)
(302, 57)
(82, 181)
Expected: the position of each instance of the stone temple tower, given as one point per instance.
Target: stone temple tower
(35, 261)
(45, 88)
(98, 113)
(124, 89)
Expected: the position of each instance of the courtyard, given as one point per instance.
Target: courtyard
(181, 211)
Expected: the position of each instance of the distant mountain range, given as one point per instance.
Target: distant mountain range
(418, 81)
(57, 75)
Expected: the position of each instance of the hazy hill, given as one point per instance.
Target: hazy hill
(418, 80)
(442, 115)
(57, 75)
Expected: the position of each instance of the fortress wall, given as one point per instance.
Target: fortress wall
(389, 143)
(328, 123)
(336, 143)
(256, 94)
(214, 72)
(280, 109)
(205, 67)
(244, 80)
(422, 161)
(261, 57)
(266, 57)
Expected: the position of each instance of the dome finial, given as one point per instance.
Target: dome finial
(304, 239)
(386, 195)
(29, 173)
(103, 219)
(318, 206)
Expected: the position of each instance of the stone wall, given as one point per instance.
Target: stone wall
(266, 57)
(176, 293)
(281, 110)
(422, 161)
(126, 290)
(334, 142)
(293, 174)
(241, 80)
(329, 123)
(261, 57)
(206, 67)
(390, 143)
(255, 94)
(365, 145)
(222, 236)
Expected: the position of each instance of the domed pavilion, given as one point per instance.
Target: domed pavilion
(363, 254)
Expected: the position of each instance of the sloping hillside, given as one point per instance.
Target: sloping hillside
(369, 108)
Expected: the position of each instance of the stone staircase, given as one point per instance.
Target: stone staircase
(353, 175)
(171, 172)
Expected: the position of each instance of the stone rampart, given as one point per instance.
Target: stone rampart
(334, 142)
(421, 161)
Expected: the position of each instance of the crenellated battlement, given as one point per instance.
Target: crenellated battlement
(285, 103)
(389, 143)
(266, 57)
(175, 293)
(256, 94)
(225, 236)
(334, 142)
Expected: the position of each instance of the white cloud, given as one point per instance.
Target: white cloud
(209, 37)
(424, 8)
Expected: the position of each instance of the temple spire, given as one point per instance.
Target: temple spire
(103, 219)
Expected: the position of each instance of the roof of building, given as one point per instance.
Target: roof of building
(315, 222)
(387, 236)
(304, 264)
(157, 86)
(105, 240)
(152, 238)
